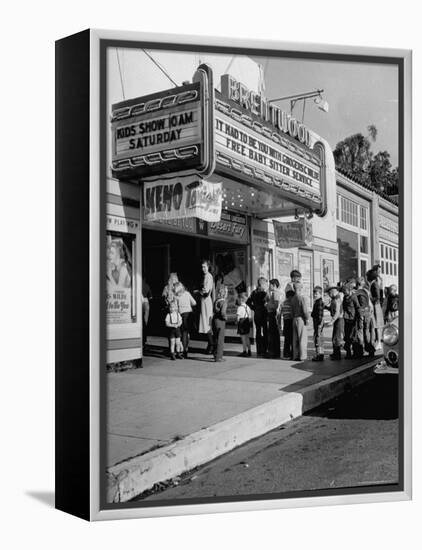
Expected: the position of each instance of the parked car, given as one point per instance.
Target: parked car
(390, 343)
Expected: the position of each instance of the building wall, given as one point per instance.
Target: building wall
(388, 243)
(380, 228)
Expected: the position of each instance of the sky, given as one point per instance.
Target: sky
(358, 94)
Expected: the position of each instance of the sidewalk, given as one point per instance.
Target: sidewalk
(172, 416)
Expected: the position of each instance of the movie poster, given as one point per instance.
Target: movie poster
(119, 274)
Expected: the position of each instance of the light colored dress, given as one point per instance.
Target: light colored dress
(206, 305)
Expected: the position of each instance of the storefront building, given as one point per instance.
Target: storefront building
(199, 173)
(367, 230)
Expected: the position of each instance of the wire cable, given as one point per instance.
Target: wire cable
(160, 67)
(120, 73)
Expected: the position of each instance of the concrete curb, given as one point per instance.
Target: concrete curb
(134, 476)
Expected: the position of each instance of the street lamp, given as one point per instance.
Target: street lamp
(316, 94)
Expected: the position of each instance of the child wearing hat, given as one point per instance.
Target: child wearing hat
(287, 323)
(336, 311)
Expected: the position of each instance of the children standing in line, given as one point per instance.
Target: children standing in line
(318, 321)
(185, 303)
(300, 316)
(219, 322)
(173, 323)
(351, 315)
(287, 324)
(244, 316)
(336, 310)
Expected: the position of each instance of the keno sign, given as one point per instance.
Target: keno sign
(185, 197)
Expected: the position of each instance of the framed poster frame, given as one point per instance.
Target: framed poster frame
(80, 68)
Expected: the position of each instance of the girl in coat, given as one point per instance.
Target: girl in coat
(185, 303)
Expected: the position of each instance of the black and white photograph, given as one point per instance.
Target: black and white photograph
(253, 346)
(211, 335)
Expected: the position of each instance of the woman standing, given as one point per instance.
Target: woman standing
(207, 295)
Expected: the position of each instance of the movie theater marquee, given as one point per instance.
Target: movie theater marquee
(236, 133)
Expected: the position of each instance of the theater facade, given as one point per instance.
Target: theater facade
(213, 171)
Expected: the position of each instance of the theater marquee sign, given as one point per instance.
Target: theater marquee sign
(258, 142)
(194, 129)
(165, 132)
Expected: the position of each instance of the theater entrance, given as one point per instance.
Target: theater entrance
(165, 252)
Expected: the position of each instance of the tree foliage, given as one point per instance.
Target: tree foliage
(353, 155)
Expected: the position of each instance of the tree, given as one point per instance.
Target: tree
(353, 155)
(380, 171)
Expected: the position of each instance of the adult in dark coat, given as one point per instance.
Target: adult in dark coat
(256, 302)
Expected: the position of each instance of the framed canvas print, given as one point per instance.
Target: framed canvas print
(233, 275)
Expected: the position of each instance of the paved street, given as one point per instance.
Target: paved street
(350, 441)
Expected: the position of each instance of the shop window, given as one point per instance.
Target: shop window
(348, 211)
(389, 259)
(363, 267)
(364, 244)
(348, 246)
(363, 218)
(120, 278)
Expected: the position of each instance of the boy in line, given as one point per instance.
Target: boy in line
(351, 315)
(287, 323)
(318, 320)
(300, 316)
(336, 310)
(365, 324)
(295, 277)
